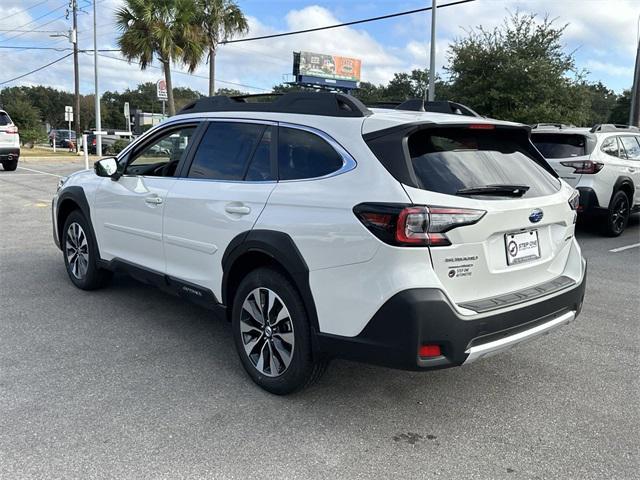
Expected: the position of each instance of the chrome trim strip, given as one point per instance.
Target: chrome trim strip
(491, 348)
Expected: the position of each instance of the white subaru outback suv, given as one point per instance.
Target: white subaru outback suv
(323, 229)
(9, 142)
(603, 163)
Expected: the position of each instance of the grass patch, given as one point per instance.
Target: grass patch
(44, 152)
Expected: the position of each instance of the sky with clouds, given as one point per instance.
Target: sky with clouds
(602, 33)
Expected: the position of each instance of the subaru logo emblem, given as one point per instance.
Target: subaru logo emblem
(536, 215)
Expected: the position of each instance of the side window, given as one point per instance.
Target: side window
(631, 147)
(610, 146)
(260, 166)
(224, 150)
(160, 158)
(302, 154)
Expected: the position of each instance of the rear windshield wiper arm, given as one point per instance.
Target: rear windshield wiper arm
(501, 190)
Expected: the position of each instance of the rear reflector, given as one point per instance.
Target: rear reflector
(427, 351)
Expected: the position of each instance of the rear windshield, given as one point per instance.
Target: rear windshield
(451, 160)
(560, 145)
(4, 119)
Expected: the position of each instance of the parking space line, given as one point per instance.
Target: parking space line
(40, 172)
(626, 247)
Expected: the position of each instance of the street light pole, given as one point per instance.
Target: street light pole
(76, 73)
(97, 93)
(432, 59)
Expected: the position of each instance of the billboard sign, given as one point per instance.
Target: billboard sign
(161, 90)
(322, 65)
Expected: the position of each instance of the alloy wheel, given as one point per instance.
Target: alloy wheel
(619, 214)
(267, 332)
(77, 251)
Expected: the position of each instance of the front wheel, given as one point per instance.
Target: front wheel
(81, 254)
(618, 214)
(272, 333)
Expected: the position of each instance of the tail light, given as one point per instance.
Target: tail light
(574, 200)
(93, 142)
(11, 129)
(414, 226)
(584, 166)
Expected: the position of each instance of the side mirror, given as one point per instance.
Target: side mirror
(107, 167)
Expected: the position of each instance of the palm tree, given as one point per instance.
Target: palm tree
(221, 20)
(164, 29)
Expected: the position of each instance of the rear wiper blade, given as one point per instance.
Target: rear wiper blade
(502, 190)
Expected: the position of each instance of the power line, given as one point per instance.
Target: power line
(346, 24)
(26, 9)
(184, 73)
(35, 20)
(36, 70)
(13, 47)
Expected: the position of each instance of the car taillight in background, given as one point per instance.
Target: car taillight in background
(11, 129)
(414, 226)
(584, 166)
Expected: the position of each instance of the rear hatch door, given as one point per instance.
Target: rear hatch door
(558, 147)
(524, 237)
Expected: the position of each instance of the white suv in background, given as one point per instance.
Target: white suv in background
(321, 229)
(603, 163)
(9, 142)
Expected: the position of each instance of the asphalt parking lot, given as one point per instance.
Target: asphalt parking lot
(129, 382)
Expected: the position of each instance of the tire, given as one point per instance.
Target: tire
(80, 252)
(617, 214)
(10, 165)
(276, 355)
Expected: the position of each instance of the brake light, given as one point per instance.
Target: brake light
(584, 166)
(93, 142)
(482, 126)
(414, 226)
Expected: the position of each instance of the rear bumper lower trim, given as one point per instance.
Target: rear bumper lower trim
(484, 350)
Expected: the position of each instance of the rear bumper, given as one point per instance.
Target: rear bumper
(6, 152)
(418, 317)
(588, 200)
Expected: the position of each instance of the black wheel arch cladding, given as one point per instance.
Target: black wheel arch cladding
(72, 198)
(282, 250)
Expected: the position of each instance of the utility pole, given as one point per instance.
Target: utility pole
(97, 93)
(76, 73)
(634, 114)
(432, 59)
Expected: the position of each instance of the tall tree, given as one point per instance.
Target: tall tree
(166, 29)
(221, 20)
(622, 108)
(519, 71)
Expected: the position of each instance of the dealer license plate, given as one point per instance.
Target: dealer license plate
(522, 247)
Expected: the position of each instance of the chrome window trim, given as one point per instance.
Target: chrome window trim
(348, 162)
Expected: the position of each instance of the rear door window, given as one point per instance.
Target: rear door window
(225, 150)
(302, 154)
(450, 160)
(559, 145)
(631, 147)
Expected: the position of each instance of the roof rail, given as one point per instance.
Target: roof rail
(420, 105)
(555, 125)
(309, 103)
(613, 127)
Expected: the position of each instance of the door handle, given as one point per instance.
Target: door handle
(237, 209)
(153, 200)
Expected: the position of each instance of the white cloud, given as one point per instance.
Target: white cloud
(609, 68)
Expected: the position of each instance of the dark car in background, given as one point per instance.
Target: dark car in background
(62, 138)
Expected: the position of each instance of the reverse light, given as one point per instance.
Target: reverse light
(416, 226)
(584, 166)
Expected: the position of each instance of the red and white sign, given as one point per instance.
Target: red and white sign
(161, 90)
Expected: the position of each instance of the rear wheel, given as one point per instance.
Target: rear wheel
(80, 253)
(618, 214)
(272, 333)
(10, 165)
